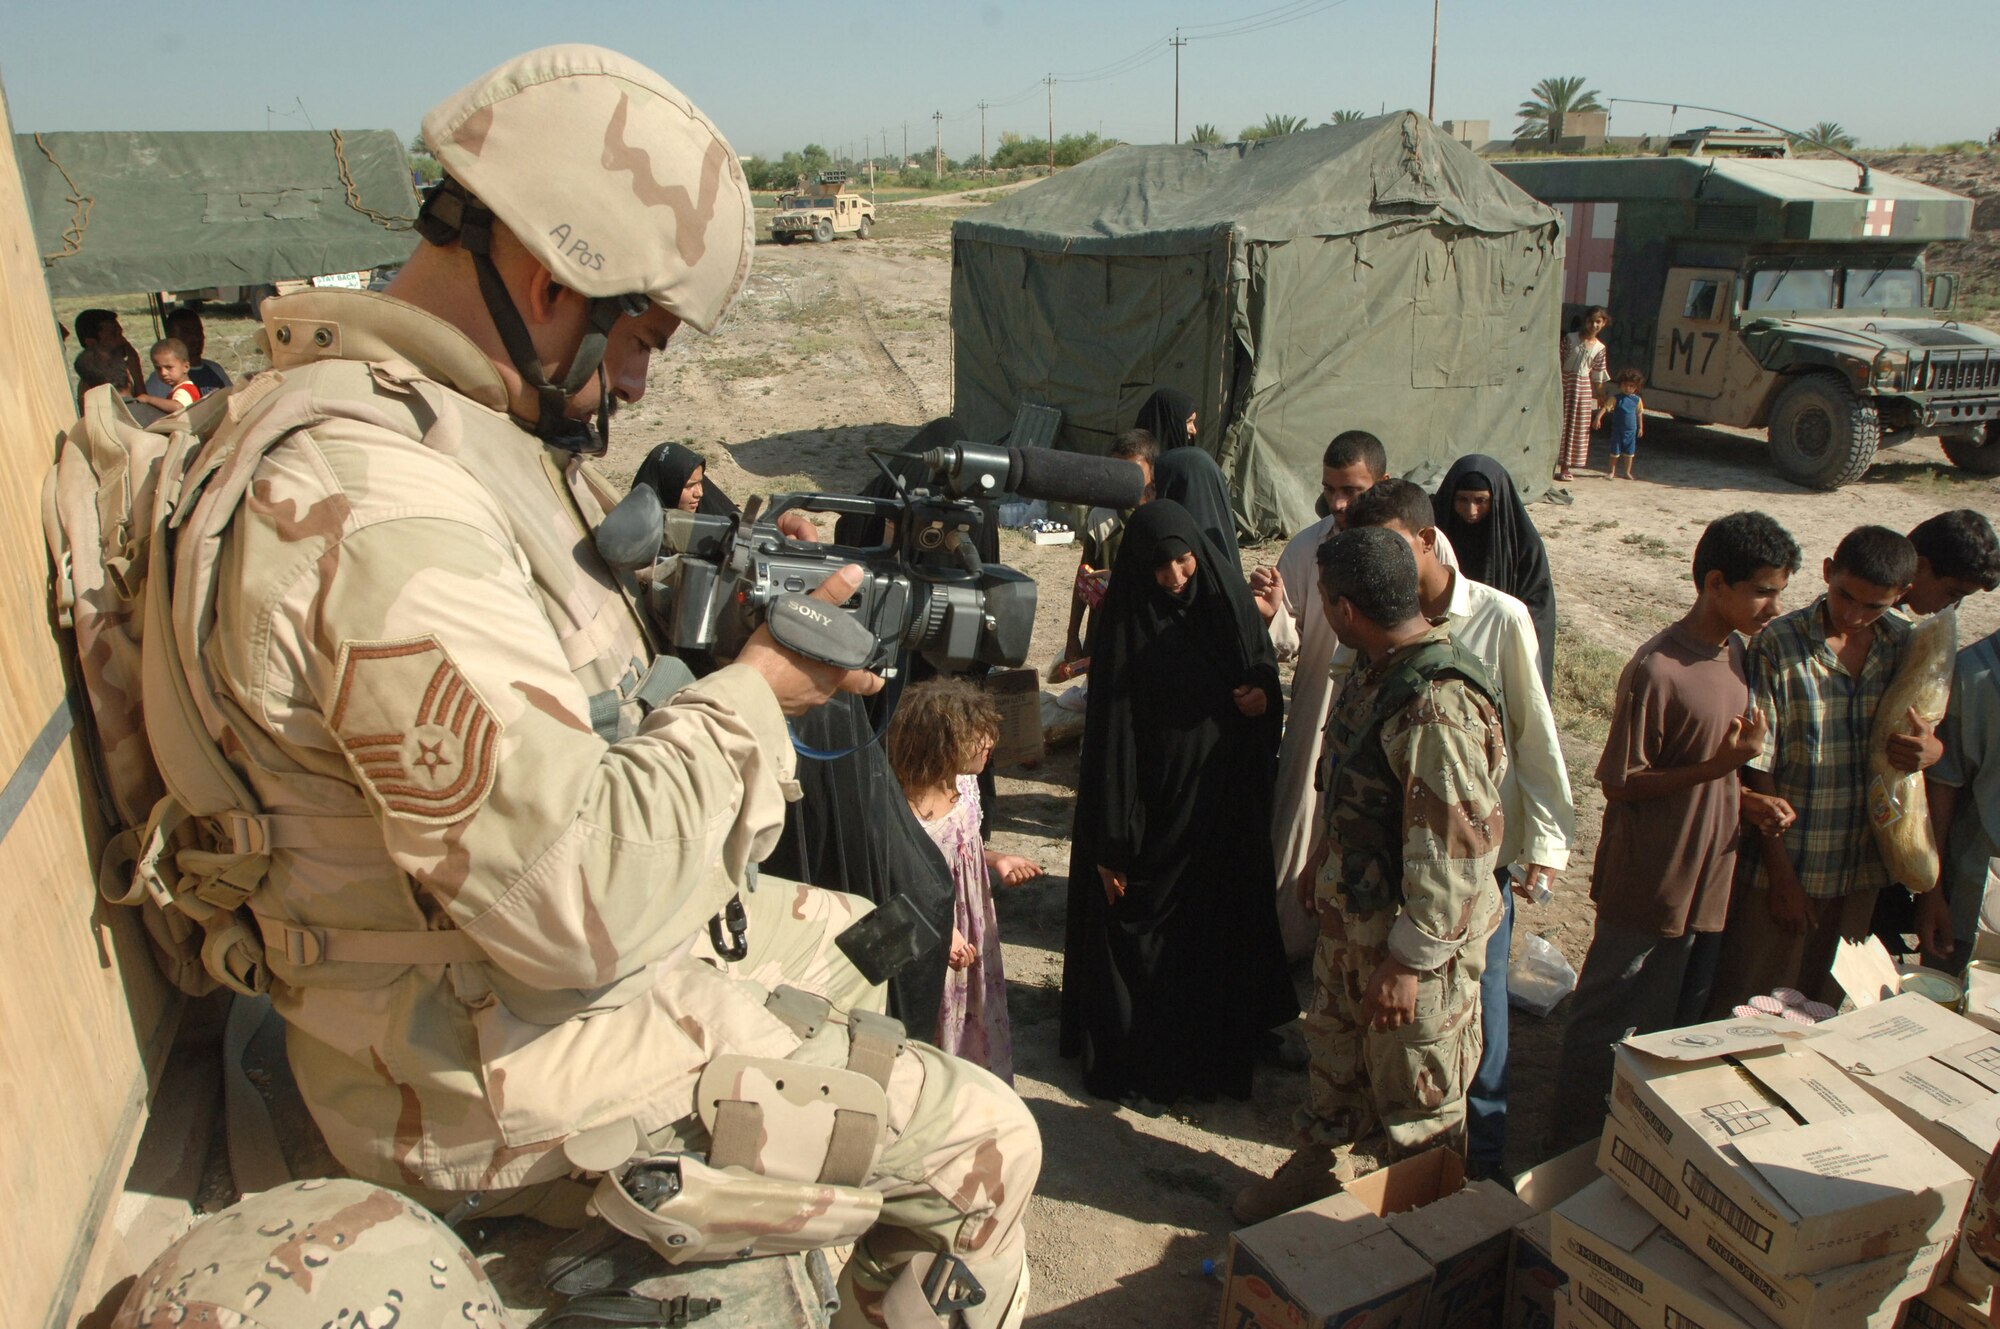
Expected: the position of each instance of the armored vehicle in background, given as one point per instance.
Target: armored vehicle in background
(1781, 294)
(821, 211)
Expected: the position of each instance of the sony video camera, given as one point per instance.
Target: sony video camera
(709, 581)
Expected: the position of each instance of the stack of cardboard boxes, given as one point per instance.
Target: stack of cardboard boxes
(1753, 1173)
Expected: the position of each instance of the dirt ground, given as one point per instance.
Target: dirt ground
(846, 346)
(838, 348)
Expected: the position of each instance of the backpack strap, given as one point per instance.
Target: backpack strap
(207, 847)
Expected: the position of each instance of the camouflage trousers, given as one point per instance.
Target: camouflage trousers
(1408, 1082)
(962, 1153)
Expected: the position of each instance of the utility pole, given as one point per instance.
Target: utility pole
(982, 138)
(1051, 81)
(937, 145)
(1431, 108)
(1177, 41)
(906, 140)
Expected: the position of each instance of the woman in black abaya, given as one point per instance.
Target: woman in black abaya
(1496, 542)
(1173, 967)
(1185, 474)
(680, 477)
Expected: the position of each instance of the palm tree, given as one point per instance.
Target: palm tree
(1205, 134)
(1826, 134)
(1274, 126)
(1347, 117)
(1550, 102)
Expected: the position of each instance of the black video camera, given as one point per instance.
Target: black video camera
(708, 582)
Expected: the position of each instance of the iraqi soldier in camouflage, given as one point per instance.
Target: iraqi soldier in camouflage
(1407, 897)
(494, 853)
(322, 1252)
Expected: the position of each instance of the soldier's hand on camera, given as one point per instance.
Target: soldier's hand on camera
(1389, 998)
(797, 526)
(801, 684)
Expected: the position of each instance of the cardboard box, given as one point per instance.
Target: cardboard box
(1938, 1072)
(1868, 974)
(1779, 1151)
(1018, 694)
(1982, 982)
(1946, 1308)
(1408, 1247)
(1534, 1283)
(1845, 1297)
(1624, 1268)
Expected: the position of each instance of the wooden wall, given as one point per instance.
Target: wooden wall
(83, 1015)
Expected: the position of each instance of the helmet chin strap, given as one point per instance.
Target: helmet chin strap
(451, 214)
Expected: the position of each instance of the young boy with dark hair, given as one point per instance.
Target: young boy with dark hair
(1626, 410)
(1817, 675)
(1680, 728)
(1958, 555)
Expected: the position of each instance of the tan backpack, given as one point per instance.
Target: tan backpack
(189, 845)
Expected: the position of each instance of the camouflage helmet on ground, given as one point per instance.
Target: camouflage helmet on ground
(607, 174)
(314, 1253)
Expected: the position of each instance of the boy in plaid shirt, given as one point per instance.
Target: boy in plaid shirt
(1816, 676)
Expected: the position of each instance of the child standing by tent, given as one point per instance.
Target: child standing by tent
(940, 739)
(1627, 413)
(1584, 375)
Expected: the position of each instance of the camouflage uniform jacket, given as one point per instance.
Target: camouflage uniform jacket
(415, 647)
(1447, 753)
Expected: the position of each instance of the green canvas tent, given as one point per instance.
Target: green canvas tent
(1374, 276)
(121, 212)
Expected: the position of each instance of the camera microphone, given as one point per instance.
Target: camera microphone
(977, 471)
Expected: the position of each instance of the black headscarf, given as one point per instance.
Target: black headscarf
(1505, 551)
(1190, 477)
(1165, 416)
(1166, 991)
(667, 469)
(1223, 624)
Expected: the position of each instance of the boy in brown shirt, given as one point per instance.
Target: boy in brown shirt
(1681, 727)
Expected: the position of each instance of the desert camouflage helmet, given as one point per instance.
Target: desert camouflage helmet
(315, 1253)
(607, 174)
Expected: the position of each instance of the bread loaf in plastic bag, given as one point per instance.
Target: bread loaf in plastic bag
(1897, 809)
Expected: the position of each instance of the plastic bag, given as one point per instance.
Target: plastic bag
(1538, 977)
(1897, 808)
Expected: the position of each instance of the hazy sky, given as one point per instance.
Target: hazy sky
(777, 74)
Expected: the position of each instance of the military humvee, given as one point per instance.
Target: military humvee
(1787, 295)
(821, 211)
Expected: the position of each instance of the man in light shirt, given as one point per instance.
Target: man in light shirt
(1540, 816)
(1289, 599)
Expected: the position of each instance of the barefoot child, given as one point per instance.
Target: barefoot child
(940, 739)
(1627, 413)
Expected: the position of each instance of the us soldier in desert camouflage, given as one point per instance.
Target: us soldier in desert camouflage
(1407, 897)
(495, 850)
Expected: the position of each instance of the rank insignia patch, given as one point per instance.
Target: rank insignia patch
(422, 739)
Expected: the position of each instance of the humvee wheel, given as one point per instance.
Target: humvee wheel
(1822, 435)
(862, 229)
(823, 232)
(1977, 452)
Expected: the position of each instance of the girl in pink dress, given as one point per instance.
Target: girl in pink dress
(1584, 376)
(940, 739)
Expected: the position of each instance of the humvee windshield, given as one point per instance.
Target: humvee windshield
(1835, 288)
(800, 205)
